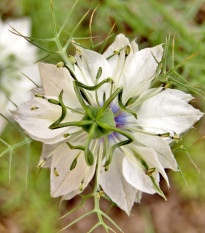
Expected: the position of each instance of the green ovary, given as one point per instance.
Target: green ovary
(107, 117)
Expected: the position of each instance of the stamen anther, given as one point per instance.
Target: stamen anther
(127, 50)
(60, 64)
(55, 171)
(34, 108)
(150, 171)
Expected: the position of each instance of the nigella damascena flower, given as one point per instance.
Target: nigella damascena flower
(102, 119)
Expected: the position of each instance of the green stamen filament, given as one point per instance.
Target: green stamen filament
(94, 88)
(119, 144)
(63, 107)
(72, 123)
(122, 106)
(107, 103)
(88, 155)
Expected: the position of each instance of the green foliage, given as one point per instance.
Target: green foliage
(151, 21)
(193, 170)
(29, 205)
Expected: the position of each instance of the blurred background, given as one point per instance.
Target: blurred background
(25, 206)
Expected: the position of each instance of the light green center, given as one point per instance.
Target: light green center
(107, 117)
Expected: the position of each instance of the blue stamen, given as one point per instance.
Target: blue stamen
(120, 119)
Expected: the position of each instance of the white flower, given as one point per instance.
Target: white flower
(16, 56)
(130, 140)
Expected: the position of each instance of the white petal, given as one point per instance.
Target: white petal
(69, 181)
(161, 147)
(134, 47)
(168, 112)
(116, 61)
(89, 62)
(119, 62)
(137, 76)
(136, 176)
(55, 80)
(36, 122)
(72, 194)
(37, 90)
(138, 196)
(151, 159)
(46, 155)
(145, 96)
(120, 42)
(21, 89)
(115, 185)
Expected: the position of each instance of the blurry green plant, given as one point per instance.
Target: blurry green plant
(151, 20)
(25, 199)
(193, 168)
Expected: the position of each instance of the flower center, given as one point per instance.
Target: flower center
(120, 116)
(107, 117)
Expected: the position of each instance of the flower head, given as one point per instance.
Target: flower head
(102, 119)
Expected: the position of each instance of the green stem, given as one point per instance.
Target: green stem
(125, 142)
(97, 173)
(93, 88)
(61, 50)
(97, 208)
(107, 103)
(10, 148)
(147, 133)
(64, 110)
(70, 71)
(122, 107)
(88, 154)
(80, 99)
(72, 123)
(78, 219)
(84, 198)
(94, 227)
(74, 110)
